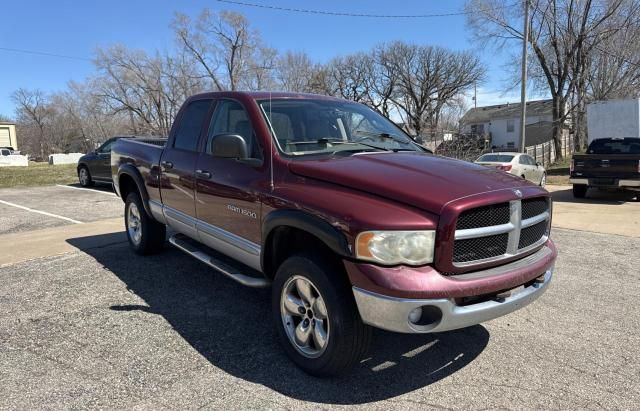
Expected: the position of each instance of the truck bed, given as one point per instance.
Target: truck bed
(144, 154)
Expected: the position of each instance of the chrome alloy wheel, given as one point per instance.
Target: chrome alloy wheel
(134, 225)
(304, 316)
(84, 176)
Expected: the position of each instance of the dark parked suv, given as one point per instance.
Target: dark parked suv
(349, 222)
(95, 166)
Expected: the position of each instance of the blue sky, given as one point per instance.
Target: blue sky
(76, 28)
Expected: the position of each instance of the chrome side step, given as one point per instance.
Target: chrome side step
(197, 251)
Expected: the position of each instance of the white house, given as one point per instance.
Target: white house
(502, 123)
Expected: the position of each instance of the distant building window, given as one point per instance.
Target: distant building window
(510, 126)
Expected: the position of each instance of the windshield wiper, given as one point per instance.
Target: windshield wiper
(386, 136)
(355, 143)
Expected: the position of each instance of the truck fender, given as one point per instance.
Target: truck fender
(131, 171)
(309, 223)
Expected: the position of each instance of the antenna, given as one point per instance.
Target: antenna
(271, 145)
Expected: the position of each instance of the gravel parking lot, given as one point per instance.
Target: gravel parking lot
(99, 327)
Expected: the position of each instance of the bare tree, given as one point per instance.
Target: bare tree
(614, 70)
(563, 36)
(227, 50)
(294, 71)
(427, 80)
(149, 89)
(33, 115)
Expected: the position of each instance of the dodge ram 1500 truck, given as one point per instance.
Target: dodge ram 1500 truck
(335, 208)
(611, 163)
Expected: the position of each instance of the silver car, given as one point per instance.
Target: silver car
(518, 164)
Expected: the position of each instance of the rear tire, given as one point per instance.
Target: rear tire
(323, 339)
(84, 177)
(145, 235)
(580, 190)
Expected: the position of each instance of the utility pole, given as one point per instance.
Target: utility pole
(475, 95)
(523, 90)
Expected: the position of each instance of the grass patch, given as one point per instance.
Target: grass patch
(37, 174)
(559, 180)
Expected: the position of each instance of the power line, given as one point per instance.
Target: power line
(43, 53)
(344, 14)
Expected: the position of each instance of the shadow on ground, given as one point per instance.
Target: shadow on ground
(596, 196)
(231, 327)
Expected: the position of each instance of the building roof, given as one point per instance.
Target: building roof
(538, 133)
(7, 123)
(488, 113)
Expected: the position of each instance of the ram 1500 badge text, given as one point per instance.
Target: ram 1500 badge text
(335, 208)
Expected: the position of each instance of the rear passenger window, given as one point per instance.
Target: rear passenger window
(190, 125)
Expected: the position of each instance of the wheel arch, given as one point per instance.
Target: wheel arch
(285, 232)
(130, 180)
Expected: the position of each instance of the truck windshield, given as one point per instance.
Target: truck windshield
(615, 146)
(324, 127)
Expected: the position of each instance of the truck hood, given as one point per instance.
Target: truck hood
(422, 180)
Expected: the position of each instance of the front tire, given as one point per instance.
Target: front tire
(580, 190)
(145, 235)
(84, 177)
(316, 317)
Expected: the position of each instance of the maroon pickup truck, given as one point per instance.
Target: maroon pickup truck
(335, 208)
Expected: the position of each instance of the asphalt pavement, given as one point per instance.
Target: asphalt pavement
(96, 326)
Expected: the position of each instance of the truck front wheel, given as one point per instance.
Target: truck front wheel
(580, 190)
(316, 317)
(145, 235)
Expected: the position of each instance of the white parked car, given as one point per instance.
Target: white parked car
(518, 164)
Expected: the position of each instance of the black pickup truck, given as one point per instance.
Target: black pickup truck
(611, 163)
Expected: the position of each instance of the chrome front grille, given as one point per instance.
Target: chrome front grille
(499, 231)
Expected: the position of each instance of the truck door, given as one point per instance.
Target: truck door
(102, 168)
(228, 204)
(178, 164)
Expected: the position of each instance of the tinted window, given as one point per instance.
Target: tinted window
(231, 118)
(190, 125)
(106, 147)
(615, 146)
(523, 160)
(496, 158)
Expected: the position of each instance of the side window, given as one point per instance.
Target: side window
(531, 160)
(190, 125)
(523, 160)
(510, 126)
(106, 147)
(231, 118)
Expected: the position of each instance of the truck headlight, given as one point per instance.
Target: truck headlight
(396, 247)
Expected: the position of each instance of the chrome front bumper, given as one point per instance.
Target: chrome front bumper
(392, 314)
(619, 183)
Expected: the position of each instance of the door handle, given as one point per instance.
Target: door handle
(167, 164)
(203, 174)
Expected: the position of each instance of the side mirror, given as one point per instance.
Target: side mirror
(538, 164)
(228, 146)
